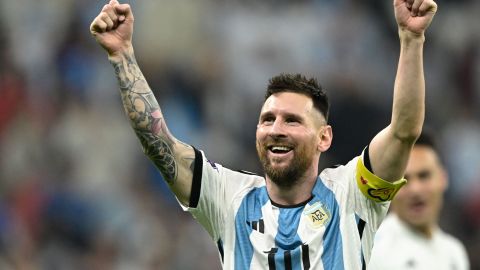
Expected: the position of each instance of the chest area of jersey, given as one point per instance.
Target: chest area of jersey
(267, 226)
(268, 236)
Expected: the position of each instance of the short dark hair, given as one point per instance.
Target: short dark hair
(298, 83)
(426, 138)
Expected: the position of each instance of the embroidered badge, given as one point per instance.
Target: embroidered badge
(317, 215)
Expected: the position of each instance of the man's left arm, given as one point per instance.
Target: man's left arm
(390, 149)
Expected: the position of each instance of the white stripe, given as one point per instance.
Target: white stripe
(315, 246)
(264, 242)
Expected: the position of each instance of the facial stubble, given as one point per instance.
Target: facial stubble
(287, 176)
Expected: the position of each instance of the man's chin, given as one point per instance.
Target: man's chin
(280, 161)
(417, 220)
(279, 167)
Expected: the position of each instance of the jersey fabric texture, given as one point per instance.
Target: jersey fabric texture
(334, 229)
(399, 247)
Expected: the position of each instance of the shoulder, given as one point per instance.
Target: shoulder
(339, 176)
(340, 170)
(394, 232)
(215, 176)
(237, 181)
(242, 174)
(247, 173)
(452, 242)
(389, 228)
(455, 249)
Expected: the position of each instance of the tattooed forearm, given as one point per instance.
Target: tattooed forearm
(146, 117)
(161, 154)
(128, 74)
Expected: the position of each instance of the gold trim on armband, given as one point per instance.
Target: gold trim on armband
(374, 187)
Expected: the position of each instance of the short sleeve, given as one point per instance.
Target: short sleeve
(208, 192)
(213, 188)
(368, 212)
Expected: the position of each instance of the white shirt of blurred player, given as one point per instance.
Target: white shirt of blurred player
(397, 246)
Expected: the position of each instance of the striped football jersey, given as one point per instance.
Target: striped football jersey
(334, 229)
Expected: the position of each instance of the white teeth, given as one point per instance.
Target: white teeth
(280, 148)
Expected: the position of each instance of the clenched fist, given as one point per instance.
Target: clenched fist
(113, 28)
(414, 16)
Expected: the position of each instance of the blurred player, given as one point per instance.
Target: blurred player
(410, 238)
(294, 217)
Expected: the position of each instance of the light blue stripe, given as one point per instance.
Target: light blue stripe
(287, 237)
(250, 210)
(279, 260)
(332, 256)
(297, 258)
(288, 220)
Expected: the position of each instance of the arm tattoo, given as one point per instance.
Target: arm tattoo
(145, 117)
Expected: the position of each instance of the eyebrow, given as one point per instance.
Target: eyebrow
(424, 173)
(285, 115)
(265, 115)
(421, 174)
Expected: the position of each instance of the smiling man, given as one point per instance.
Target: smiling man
(410, 237)
(294, 217)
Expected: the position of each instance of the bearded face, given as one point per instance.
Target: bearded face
(284, 162)
(288, 138)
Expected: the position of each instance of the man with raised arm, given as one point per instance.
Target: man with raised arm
(294, 217)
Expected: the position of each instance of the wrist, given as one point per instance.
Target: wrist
(119, 55)
(409, 37)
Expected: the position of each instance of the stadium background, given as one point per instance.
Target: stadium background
(76, 191)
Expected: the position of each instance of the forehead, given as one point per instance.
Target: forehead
(421, 158)
(288, 102)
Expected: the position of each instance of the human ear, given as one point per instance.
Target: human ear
(325, 138)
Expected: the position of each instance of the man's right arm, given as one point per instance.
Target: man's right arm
(113, 29)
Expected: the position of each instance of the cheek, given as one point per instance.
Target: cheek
(258, 145)
(260, 141)
(402, 196)
(261, 133)
(311, 142)
(401, 193)
(436, 192)
(258, 137)
(430, 187)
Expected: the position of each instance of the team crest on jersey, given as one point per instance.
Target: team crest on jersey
(317, 215)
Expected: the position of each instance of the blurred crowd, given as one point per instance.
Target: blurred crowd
(76, 191)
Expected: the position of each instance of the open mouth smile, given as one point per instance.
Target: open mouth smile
(279, 150)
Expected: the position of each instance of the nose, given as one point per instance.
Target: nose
(277, 129)
(414, 186)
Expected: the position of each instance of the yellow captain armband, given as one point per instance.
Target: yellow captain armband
(374, 187)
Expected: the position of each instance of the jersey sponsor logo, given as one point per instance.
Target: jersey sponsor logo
(317, 215)
(382, 194)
